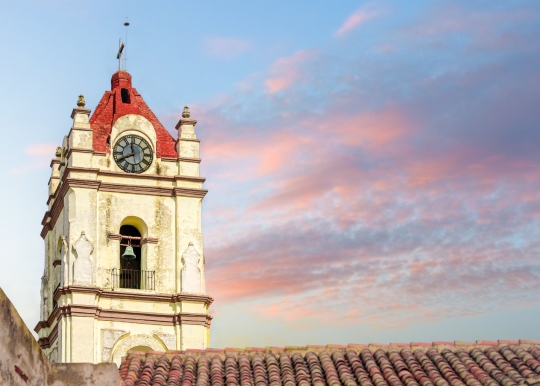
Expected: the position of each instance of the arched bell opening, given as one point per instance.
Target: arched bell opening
(130, 247)
(130, 258)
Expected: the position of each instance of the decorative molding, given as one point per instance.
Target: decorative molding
(80, 110)
(149, 297)
(79, 183)
(190, 178)
(68, 290)
(54, 161)
(185, 121)
(141, 176)
(136, 189)
(45, 217)
(49, 322)
(190, 192)
(113, 315)
(47, 342)
(187, 159)
(178, 298)
(85, 310)
(169, 159)
(81, 129)
(189, 139)
(78, 150)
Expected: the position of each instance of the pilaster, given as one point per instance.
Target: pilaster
(79, 150)
(188, 207)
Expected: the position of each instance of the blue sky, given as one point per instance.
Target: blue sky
(373, 167)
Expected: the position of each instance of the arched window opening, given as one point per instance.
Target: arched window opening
(125, 95)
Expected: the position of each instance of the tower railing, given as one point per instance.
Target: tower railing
(133, 279)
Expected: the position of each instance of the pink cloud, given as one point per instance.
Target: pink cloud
(369, 197)
(226, 47)
(41, 149)
(40, 156)
(353, 21)
(287, 71)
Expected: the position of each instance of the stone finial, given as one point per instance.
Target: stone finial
(58, 152)
(81, 103)
(186, 113)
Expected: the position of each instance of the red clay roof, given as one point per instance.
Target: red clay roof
(111, 107)
(439, 364)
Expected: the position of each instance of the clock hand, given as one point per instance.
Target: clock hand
(126, 156)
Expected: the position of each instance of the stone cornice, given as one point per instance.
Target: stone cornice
(78, 150)
(190, 178)
(80, 110)
(189, 192)
(155, 298)
(185, 121)
(143, 176)
(187, 159)
(47, 342)
(85, 310)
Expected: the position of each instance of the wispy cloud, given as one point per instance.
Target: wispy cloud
(40, 156)
(391, 191)
(226, 47)
(287, 71)
(360, 16)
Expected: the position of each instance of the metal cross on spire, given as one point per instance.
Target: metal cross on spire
(119, 56)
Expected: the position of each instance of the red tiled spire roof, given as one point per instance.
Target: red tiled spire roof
(448, 364)
(111, 107)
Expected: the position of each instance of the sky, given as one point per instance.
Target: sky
(373, 167)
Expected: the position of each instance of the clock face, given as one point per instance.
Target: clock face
(133, 154)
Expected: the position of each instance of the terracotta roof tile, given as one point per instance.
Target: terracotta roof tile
(456, 364)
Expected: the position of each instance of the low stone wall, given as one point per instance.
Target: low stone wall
(22, 362)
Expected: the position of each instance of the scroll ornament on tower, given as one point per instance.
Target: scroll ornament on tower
(191, 273)
(82, 267)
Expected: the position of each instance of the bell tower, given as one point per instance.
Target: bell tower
(124, 261)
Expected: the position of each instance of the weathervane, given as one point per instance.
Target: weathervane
(121, 49)
(119, 56)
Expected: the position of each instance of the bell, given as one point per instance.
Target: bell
(128, 253)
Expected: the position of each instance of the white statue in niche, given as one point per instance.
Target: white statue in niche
(191, 273)
(44, 298)
(64, 267)
(82, 267)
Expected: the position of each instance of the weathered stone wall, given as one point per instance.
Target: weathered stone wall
(22, 362)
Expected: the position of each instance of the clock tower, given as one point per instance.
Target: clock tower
(124, 261)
